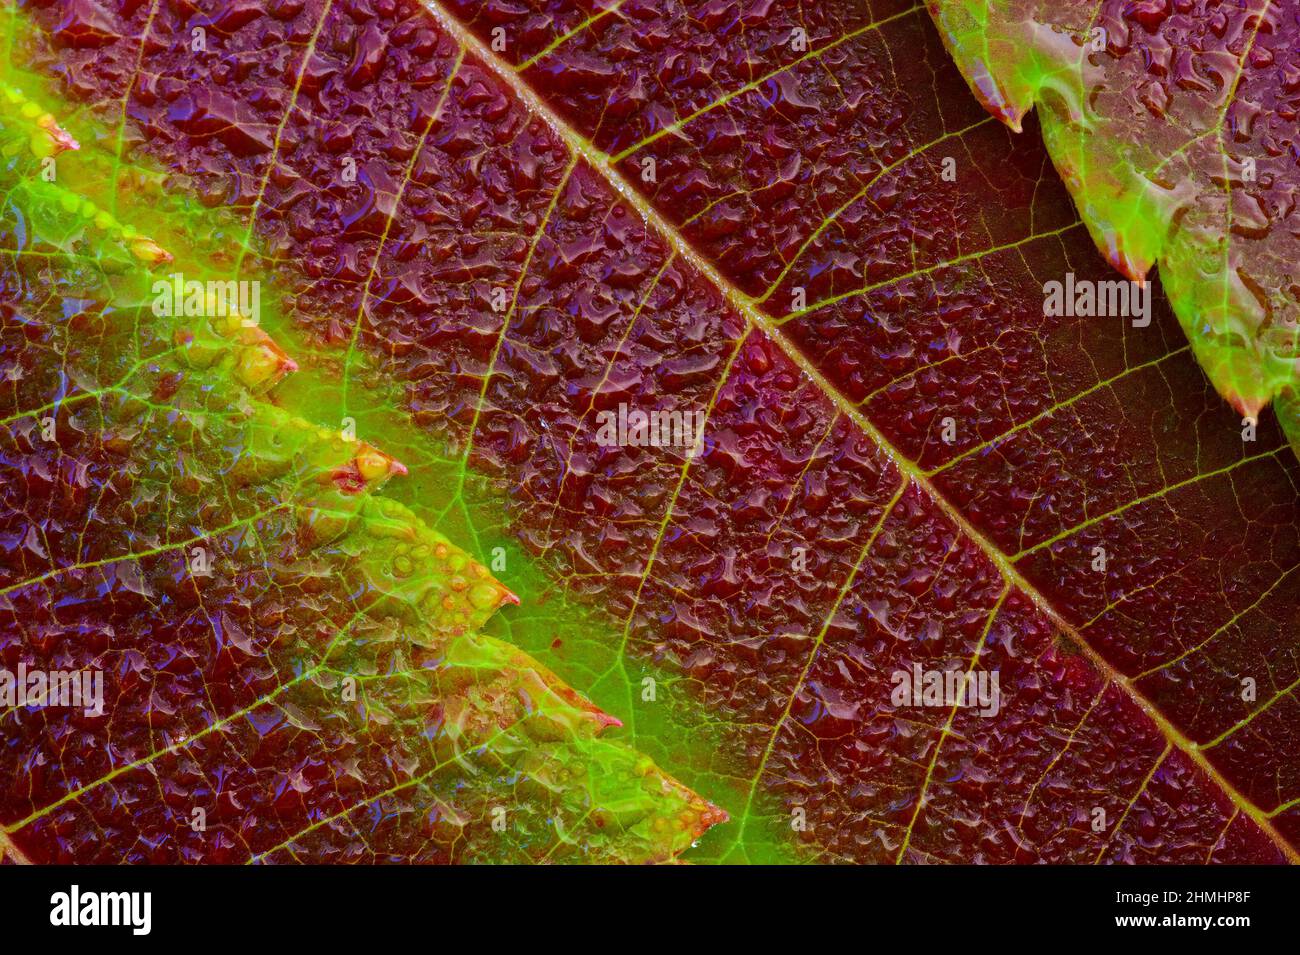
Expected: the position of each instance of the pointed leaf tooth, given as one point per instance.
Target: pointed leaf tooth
(403, 558)
(46, 138)
(487, 687)
(961, 24)
(51, 205)
(50, 139)
(994, 99)
(1123, 258)
(260, 363)
(149, 252)
(656, 816)
(546, 690)
(374, 466)
(503, 686)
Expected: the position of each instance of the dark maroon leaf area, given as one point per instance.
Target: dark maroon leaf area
(1070, 433)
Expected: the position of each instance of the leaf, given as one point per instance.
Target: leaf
(1173, 127)
(290, 664)
(1123, 733)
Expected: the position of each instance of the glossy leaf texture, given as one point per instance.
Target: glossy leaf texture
(793, 263)
(1174, 126)
(292, 665)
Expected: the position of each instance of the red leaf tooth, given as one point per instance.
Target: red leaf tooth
(58, 139)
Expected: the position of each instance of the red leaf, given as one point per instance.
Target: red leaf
(775, 171)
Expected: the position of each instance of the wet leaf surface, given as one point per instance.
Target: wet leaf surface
(904, 462)
(1173, 124)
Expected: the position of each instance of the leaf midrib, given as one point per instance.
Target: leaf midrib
(745, 305)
